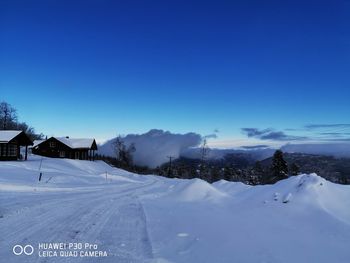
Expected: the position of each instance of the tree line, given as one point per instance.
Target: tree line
(204, 168)
(9, 121)
(214, 170)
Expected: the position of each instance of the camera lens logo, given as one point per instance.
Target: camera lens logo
(19, 250)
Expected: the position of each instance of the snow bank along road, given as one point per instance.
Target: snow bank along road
(125, 217)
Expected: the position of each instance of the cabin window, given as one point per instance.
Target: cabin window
(76, 155)
(12, 150)
(52, 144)
(62, 154)
(2, 150)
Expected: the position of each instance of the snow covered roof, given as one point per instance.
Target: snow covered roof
(73, 143)
(36, 142)
(8, 135)
(76, 143)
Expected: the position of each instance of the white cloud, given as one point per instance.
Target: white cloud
(153, 147)
(334, 149)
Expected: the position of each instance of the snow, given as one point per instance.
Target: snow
(8, 135)
(230, 188)
(37, 142)
(146, 218)
(287, 198)
(197, 190)
(74, 143)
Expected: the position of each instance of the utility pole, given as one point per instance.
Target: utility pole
(204, 153)
(170, 173)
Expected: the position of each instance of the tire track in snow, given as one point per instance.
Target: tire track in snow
(85, 217)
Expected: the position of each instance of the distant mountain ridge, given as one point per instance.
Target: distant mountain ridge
(328, 167)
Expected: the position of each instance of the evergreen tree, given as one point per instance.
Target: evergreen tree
(294, 169)
(279, 166)
(258, 169)
(227, 173)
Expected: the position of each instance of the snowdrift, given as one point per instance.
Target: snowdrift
(140, 218)
(301, 219)
(59, 173)
(231, 188)
(199, 190)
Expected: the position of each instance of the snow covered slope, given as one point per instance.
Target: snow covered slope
(137, 218)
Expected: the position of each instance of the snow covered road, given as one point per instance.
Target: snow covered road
(112, 218)
(125, 217)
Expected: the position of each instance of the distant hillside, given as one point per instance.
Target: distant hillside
(329, 167)
(340, 150)
(243, 167)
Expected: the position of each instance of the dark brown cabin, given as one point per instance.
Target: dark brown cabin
(10, 145)
(64, 147)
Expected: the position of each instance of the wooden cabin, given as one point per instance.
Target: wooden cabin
(10, 144)
(65, 147)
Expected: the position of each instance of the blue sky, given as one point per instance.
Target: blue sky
(101, 68)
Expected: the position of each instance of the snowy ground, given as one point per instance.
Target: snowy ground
(138, 218)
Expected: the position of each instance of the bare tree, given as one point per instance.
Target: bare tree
(29, 131)
(124, 153)
(8, 116)
(9, 121)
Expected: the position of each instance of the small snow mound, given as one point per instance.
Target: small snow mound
(182, 235)
(304, 188)
(198, 190)
(221, 182)
(310, 180)
(287, 198)
(231, 188)
(113, 177)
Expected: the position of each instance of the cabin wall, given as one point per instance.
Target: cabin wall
(52, 148)
(9, 151)
(56, 149)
